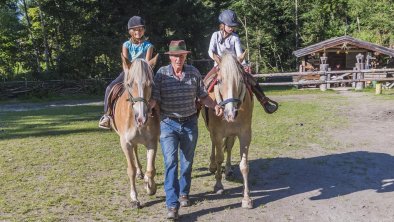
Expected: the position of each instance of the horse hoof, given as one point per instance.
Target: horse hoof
(140, 176)
(247, 204)
(229, 175)
(218, 190)
(150, 190)
(135, 205)
(212, 169)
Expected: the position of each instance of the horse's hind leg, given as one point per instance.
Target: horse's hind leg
(228, 146)
(244, 141)
(131, 171)
(139, 173)
(150, 184)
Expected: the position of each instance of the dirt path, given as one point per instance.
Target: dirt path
(350, 183)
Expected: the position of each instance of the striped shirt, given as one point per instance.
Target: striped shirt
(177, 96)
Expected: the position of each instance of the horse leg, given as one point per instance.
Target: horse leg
(139, 173)
(131, 171)
(228, 146)
(150, 185)
(219, 157)
(244, 141)
(212, 163)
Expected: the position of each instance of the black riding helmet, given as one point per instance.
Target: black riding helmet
(135, 21)
(228, 17)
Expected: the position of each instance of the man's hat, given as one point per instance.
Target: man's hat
(177, 47)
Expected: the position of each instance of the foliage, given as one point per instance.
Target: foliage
(52, 39)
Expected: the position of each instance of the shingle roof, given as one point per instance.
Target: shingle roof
(340, 40)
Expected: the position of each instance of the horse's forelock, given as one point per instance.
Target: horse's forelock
(231, 70)
(140, 71)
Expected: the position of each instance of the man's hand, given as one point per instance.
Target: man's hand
(152, 105)
(218, 110)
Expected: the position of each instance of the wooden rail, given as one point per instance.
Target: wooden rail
(371, 71)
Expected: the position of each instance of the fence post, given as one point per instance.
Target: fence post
(360, 75)
(323, 67)
(378, 89)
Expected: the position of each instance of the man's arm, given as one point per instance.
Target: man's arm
(207, 101)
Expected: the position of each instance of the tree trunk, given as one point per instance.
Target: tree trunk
(36, 51)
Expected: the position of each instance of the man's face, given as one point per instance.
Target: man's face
(177, 61)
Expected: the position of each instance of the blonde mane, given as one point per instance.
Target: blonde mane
(140, 71)
(231, 71)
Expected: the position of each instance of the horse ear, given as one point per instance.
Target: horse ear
(216, 58)
(153, 61)
(242, 56)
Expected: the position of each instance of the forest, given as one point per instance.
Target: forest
(81, 39)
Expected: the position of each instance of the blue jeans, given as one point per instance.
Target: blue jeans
(183, 135)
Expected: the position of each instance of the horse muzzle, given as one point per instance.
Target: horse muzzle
(140, 119)
(230, 114)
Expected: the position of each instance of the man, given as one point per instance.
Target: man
(176, 88)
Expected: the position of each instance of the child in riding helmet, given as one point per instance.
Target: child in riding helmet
(226, 41)
(135, 47)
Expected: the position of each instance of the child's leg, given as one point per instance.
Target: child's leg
(108, 89)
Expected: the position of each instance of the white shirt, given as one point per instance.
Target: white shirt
(231, 44)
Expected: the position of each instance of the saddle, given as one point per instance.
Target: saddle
(116, 91)
(268, 105)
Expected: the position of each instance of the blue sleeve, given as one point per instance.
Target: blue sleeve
(126, 44)
(147, 45)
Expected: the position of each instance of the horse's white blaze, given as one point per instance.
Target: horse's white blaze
(140, 105)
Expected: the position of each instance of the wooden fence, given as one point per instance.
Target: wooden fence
(358, 76)
(11, 89)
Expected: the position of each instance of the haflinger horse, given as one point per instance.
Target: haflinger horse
(134, 125)
(232, 94)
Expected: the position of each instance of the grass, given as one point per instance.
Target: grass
(56, 165)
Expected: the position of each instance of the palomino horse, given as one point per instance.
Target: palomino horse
(232, 94)
(134, 125)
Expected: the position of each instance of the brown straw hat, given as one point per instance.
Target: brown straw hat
(177, 47)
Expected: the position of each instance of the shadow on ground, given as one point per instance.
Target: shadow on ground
(330, 176)
(47, 122)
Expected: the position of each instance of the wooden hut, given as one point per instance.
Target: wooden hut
(340, 54)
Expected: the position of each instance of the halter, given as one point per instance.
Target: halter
(222, 103)
(134, 100)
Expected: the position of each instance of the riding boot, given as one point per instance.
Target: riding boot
(269, 105)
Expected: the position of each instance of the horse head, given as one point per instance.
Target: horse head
(231, 88)
(138, 84)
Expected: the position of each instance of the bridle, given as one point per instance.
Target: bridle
(133, 100)
(223, 103)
